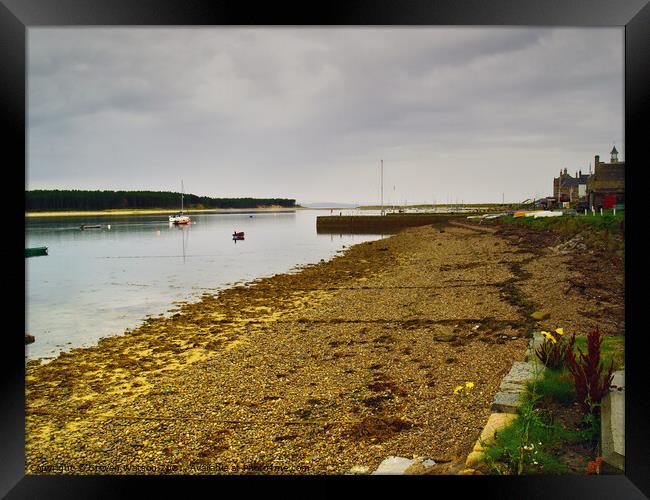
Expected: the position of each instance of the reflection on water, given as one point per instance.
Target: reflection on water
(185, 231)
(98, 282)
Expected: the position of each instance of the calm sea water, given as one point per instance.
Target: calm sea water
(98, 282)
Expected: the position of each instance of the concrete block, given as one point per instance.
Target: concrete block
(506, 386)
(519, 375)
(613, 423)
(496, 422)
(522, 371)
(506, 402)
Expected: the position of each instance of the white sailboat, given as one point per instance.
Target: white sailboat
(179, 218)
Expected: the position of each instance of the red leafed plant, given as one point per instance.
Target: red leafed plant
(591, 383)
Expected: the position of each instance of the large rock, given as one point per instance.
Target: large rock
(419, 467)
(613, 423)
(393, 466)
(540, 315)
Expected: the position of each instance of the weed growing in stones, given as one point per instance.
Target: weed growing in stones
(553, 351)
(589, 376)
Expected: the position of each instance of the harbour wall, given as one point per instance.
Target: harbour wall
(376, 224)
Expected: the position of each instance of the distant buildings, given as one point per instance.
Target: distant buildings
(571, 189)
(604, 188)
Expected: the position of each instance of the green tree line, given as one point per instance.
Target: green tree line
(47, 199)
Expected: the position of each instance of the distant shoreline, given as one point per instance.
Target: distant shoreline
(154, 211)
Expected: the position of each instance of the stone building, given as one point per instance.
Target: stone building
(606, 187)
(569, 188)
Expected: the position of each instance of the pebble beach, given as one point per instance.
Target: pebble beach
(337, 365)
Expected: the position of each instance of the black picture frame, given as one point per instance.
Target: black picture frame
(16, 16)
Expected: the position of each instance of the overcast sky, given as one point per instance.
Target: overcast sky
(467, 114)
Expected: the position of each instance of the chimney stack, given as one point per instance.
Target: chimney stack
(596, 160)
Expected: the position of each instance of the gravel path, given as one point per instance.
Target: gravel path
(340, 364)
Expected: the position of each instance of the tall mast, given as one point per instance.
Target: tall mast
(182, 194)
(382, 187)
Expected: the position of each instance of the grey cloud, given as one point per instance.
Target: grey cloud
(268, 111)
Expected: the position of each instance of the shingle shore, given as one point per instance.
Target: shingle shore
(340, 364)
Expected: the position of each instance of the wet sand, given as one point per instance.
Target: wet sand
(340, 364)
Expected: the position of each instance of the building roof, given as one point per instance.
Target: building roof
(613, 151)
(568, 180)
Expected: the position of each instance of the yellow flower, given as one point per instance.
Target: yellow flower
(457, 389)
(469, 385)
(559, 331)
(549, 337)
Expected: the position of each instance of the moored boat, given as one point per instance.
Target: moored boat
(90, 226)
(547, 213)
(180, 218)
(35, 251)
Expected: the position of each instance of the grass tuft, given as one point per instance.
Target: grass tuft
(555, 385)
(530, 445)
